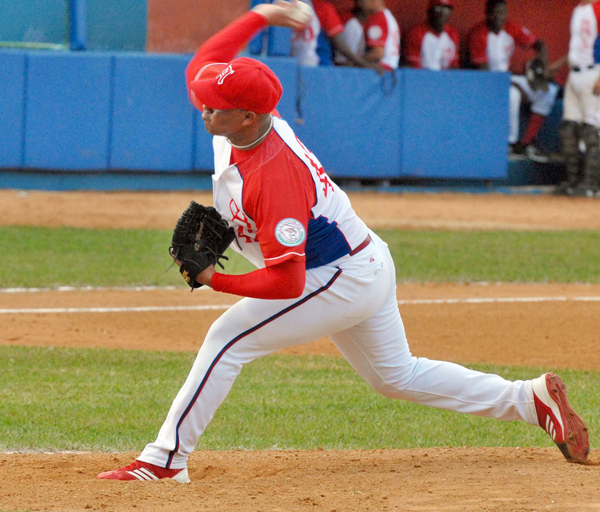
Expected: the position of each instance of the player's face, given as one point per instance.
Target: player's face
(367, 6)
(439, 16)
(223, 122)
(497, 16)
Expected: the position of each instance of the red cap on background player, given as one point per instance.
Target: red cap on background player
(243, 83)
(447, 3)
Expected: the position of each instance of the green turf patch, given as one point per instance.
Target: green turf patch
(49, 257)
(115, 400)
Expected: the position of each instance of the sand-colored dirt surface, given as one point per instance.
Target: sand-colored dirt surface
(442, 479)
(417, 211)
(552, 325)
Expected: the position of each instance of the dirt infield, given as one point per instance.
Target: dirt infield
(493, 323)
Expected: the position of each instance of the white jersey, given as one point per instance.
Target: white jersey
(382, 30)
(304, 42)
(584, 35)
(333, 228)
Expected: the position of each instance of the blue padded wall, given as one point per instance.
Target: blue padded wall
(455, 124)
(279, 42)
(351, 120)
(67, 113)
(153, 119)
(12, 104)
(286, 71)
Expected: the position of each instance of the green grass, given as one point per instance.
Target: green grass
(93, 399)
(49, 257)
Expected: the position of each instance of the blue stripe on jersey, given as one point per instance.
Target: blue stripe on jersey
(325, 243)
(597, 51)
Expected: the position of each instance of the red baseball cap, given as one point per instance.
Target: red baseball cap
(447, 3)
(242, 83)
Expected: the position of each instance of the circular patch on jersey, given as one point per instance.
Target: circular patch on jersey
(375, 32)
(290, 232)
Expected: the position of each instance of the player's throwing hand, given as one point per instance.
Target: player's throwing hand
(293, 14)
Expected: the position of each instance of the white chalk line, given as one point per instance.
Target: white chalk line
(145, 309)
(89, 289)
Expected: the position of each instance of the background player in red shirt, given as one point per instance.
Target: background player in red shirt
(380, 35)
(491, 47)
(435, 44)
(314, 44)
(492, 42)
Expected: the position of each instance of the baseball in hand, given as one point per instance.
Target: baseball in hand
(301, 12)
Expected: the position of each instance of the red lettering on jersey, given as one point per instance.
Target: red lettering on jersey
(323, 178)
(245, 230)
(586, 34)
(306, 34)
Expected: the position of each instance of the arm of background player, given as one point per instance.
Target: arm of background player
(277, 282)
(478, 50)
(455, 64)
(413, 48)
(555, 66)
(340, 45)
(225, 44)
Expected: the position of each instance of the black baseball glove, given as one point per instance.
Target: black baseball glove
(200, 238)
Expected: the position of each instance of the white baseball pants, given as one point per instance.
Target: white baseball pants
(354, 303)
(581, 104)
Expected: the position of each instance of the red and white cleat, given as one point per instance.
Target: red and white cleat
(139, 470)
(559, 420)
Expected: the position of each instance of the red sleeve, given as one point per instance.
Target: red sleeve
(328, 18)
(414, 42)
(346, 16)
(283, 281)
(478, 44)
(453, 33)
(522, 36)
(225, 44)
(376, 30)
(596, 7)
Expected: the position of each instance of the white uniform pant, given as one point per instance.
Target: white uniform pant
(581, 104)
(541, 102)
(356, 306)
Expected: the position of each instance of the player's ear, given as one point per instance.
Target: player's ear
(249, 118)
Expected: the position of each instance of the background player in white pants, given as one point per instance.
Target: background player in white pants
(581, 115)
(321, 272)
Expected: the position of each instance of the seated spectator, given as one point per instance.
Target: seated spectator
(491, 46)
(434, 44)
(492, 42)
(312, 46)
(374, 34)
(538, 93)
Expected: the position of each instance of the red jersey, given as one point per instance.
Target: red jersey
(328, 17)
(496, 50)
(428, 49)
